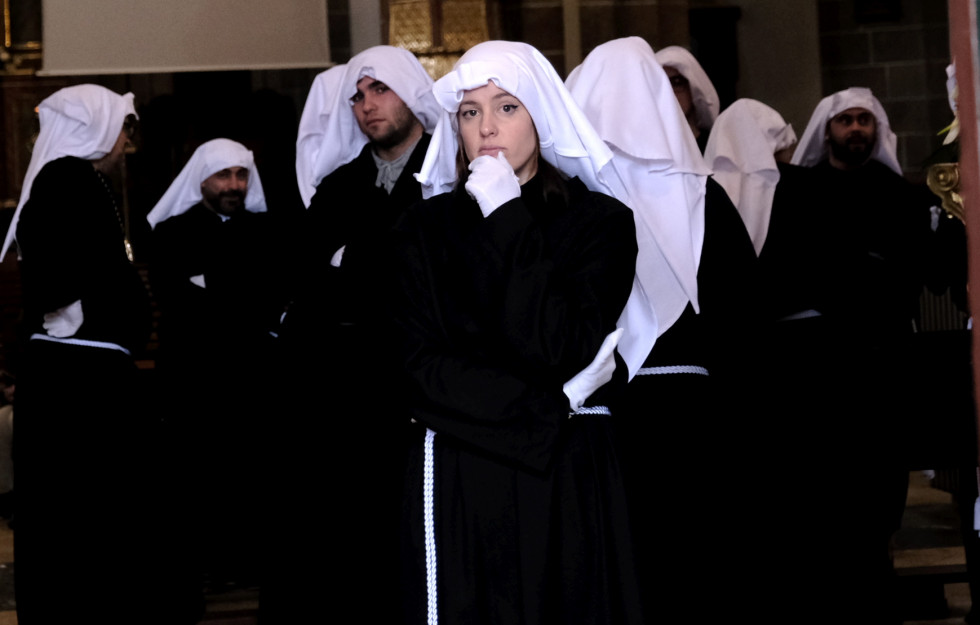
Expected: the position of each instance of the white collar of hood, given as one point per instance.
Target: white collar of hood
(657, 170)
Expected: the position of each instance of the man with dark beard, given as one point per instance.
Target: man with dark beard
(214, 274)
(338, 363)
(373, 142)
(870, 234)
(851, 136)
(877, 230)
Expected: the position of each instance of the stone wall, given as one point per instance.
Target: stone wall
(900, 52)
(540, 23)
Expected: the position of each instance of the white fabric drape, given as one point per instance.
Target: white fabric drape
(657, 170)
(740, 152)
(324, 98)
(703, 93)
(83, 121)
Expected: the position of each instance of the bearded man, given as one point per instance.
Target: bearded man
(871, 234)
(215, 276)
(338, 364)
(372, 144)
(880, 230)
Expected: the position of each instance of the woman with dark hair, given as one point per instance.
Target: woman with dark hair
(510, 283)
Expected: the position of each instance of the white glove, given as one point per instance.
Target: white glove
(599, 371)
(337, 257)
(492, 182)
(198, 280)
(65, 321)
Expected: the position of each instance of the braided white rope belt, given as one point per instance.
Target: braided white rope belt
(82, 342)
(803, 314)
(428, 511)
(603, 410)
(696, 370)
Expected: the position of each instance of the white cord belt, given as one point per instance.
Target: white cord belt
(803, 314)
(82, 342)
(603, 410)
(696, 370)
(428, 483)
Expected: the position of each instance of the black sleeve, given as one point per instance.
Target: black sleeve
(539, 313)
(72, 245)
(729, 289)
(56, 236)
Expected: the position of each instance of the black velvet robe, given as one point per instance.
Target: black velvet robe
(340, 437)
(683, 434)
(83, 446)
(495, 315)
(215, 367)
(852, 246)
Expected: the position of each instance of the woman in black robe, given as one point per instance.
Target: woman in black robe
(508, 284)
(687, 327)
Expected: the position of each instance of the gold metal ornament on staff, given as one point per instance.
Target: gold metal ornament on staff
(943, 179)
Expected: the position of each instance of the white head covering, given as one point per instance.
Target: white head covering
(83, 121)
(702, 91)
(659, 173)
(567, 139)
(342, 139)
(740, 152)
(324, 98)
(209, 158)
(813, 146)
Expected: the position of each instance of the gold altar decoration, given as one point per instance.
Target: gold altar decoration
(437, 32)
(944, 180)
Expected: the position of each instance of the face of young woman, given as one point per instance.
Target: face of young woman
(492, 121)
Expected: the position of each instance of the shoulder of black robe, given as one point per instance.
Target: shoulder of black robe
(348, 199)
(348, 211)
(878, 238)
(728, 288)
(183, 248)
(496, 314)
(702, 139)
(240, 261)
(71, 241)
(407, 189)
(793, 261)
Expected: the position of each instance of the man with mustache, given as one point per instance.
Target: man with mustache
(215, 276)
(364, 134)
(870, 235)
(373, 128)
(874, 227)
